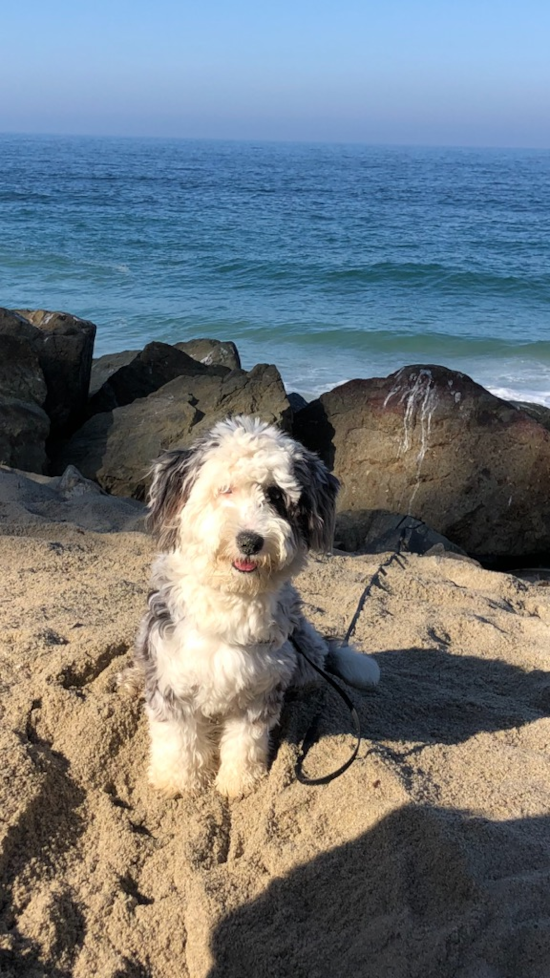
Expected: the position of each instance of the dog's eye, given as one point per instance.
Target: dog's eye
(226, 490)
(274, 494)
(277, 499)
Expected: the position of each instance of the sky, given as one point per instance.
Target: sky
(420, 72)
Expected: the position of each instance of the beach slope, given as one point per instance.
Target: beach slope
(430, 856)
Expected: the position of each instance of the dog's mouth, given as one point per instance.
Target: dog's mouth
(245, 566)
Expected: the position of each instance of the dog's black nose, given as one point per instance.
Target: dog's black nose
(249, 543)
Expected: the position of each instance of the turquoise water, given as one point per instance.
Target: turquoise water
(331, 261)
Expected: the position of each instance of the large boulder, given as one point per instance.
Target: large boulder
(116, 448)
(429, 442)
(153, 367)
(24, 425)
(65, 347)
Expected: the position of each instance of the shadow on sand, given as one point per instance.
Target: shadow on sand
(427, 893)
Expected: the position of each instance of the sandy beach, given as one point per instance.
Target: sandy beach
(428, 857)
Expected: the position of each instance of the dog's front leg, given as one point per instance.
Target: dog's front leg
(244, 746)
(182, 751)
(243, 755)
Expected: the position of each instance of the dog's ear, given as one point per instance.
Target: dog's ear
(316, 508)
(174, 475)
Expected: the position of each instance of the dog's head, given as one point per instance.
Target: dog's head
(244, 504)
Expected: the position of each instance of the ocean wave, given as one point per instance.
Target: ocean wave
(439, 277)
(24, 196)
(432, 278)
(428, 346)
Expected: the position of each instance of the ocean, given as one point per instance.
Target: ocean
(331, 261)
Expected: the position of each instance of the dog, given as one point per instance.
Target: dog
(235, 517)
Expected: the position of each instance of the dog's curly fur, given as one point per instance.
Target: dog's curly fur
(235, 517)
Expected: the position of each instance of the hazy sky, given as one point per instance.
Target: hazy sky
(443, 72)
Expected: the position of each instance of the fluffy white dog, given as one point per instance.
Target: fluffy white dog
(235, 516)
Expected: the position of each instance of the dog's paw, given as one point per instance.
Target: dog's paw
(172, 785)
(234, 782)
(129, 681)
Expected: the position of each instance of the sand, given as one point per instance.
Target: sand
(430, 856)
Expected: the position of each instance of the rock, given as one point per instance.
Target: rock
(296, 401)
(33, 500)
(379, 531)
(429, 442)
(259, 391)
(21, 376)
(24, 428)
(24, 425)
(104, 367)
(539, 412)
(72, 484)
(212, 352)
(65, 350)
(117, 448)
(153, 367)
(207, 352)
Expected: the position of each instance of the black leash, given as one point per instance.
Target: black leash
(310, 736)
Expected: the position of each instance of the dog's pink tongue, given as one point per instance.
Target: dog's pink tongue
(244, 565)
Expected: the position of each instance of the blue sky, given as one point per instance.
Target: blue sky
(428, 72)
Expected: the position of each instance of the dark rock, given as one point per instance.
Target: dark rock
(153, 367)
(117, 448)
(212, 352)
(429, 442)
(24, 425)
(379, 531)
(24, 428)
(207, 352)
(65, 349)
(104, 367)
(259, 391)
(14, 324)
(21, 376)
(539, 412)
(297, 402)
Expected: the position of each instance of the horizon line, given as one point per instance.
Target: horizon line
(273, 140)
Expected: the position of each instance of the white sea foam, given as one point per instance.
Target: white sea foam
(532, 396)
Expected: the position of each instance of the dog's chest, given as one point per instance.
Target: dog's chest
(219, 675)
